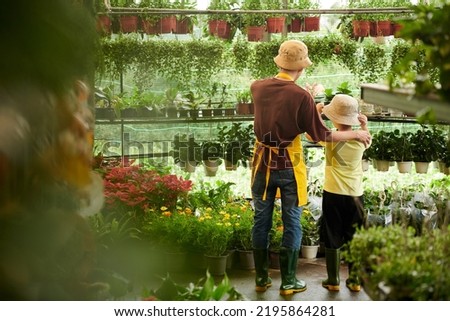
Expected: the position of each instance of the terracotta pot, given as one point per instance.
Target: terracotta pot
(104, 24)
(361, 28)
(219, 28)
(183, 26)
(380, 28)
(395, 28)
(275, 24)
(255, 33)
(129, 24)
(312, 23)
(151, 27)
(244, 108)
(296, 25)
(168, 24)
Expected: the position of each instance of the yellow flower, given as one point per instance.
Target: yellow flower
(163, 208)
(167, 213)
(188, 210)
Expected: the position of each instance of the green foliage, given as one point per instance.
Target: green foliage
(310, 228)
(383, 146)
(204, 289)
(373, 63)
(241, 54)
(425, 144)
(244, 96)
(237, 141)
(427, 30)
(186, 149)
(253, 19)
(209, 195)
(397, 265)
(261, 62)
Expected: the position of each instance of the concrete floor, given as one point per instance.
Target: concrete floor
(310, 270)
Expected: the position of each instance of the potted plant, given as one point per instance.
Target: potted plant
(360, 21)
(128, 22)
(244, 104)
(212, 152)
(424, 146)
(221, 25)
(254, 24)
(237, 141)
(275, 21)
(382, 150)
(382, 256)
(214, 235)
(185, 23)
(186, 152)
(311, 21)
(310, 234)
(103, 18)
(402, 150)
(193, 102)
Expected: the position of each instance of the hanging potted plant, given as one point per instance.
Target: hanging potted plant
(423, 144)
(360, 22)
(221, 25)
(104, 21)
(382, 150)
(128, 22)
(312, 21)
(185, 23)
(254, 24)
(403, 151)
(275, 21)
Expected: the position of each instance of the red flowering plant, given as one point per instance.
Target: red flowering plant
(136, 189)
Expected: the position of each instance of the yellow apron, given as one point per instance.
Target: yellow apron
(295, 151)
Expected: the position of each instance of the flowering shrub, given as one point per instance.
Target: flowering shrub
(172, 230)
(213, 231)
(136, 188)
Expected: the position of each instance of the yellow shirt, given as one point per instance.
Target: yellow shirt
(343, 168)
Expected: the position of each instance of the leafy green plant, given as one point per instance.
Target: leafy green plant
(383, 146)
(395, 264)
(424, 144)
(185, 149)
(428, 33)
(253, 19)
(310, 228)
(207, 194)
(204, 289)
(237, 141)
(244, 96)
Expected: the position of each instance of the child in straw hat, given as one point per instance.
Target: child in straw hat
(342, 203)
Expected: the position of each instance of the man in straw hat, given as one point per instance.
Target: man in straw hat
(284, 111)
(342, 202)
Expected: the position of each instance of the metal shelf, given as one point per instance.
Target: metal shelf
(404, 100)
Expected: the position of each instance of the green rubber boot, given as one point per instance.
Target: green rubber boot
(353, 283)
(262, 280)
(288, 268)
(333, 261)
